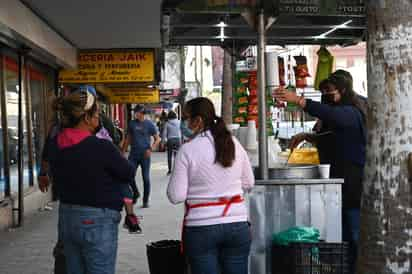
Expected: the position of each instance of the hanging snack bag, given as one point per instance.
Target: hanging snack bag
(242, 110)
(253, 110)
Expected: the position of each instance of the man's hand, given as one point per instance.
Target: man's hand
(147, 153)
(297, 139)
(44, 183)
(126, 143)
(283, 95)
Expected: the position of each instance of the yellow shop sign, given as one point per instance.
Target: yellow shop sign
(125, 95)
(111, 67)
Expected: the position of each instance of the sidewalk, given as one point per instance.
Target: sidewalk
(28, 250)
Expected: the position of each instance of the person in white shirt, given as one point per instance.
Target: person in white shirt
(211, 174)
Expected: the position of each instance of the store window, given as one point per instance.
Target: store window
(40, 88)
(2, 163)
(12, 110)
(36, 83)
(36, 97)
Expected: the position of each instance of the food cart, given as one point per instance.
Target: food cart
(276, 203)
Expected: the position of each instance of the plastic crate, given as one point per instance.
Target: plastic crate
(310, 258)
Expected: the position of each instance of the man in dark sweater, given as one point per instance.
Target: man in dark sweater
(342, 114)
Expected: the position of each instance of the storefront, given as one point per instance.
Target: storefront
(28, 87)
(30, 55)
(38, 84)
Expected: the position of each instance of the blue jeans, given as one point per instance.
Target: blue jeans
(351, 231)
(144, 163)
(218, 249)
(89, 237)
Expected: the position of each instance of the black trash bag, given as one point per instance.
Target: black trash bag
(165, 257)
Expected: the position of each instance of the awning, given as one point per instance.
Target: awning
(102, 24)
(224, 22)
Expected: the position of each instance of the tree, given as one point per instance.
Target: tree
(227, 87)
(386, 224)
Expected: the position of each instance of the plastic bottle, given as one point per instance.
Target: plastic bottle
(253, 157)
(273, 151)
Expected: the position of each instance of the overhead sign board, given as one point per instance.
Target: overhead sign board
(133, 95)
(297, 7)
(112, 67)
(322, 7)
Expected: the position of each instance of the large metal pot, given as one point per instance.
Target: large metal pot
(292, 172)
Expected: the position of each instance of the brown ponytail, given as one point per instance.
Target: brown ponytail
(224, 145)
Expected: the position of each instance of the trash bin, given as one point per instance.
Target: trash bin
(165, 257)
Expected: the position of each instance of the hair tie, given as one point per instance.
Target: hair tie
(89, 101)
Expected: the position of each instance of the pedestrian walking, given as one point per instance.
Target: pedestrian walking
(172, 137)
(88, 172)
(139, 134)
(212, 171)
(129, 191)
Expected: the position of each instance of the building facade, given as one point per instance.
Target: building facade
(31, 53)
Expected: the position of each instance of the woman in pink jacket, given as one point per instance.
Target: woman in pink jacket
(211, 174)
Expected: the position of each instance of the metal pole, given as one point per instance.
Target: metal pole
(20, 142)
(4, 126)
(29, 125)
(263, 145)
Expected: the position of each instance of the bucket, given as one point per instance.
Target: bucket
(165, 257)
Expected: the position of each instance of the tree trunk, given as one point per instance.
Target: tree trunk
(227, 88)
(182, 53)
(202, 91)
(386, 225)
(183, 90)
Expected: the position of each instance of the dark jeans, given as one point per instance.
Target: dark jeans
(172, 147)
(126, 191)
(144, 163)
(218, 249)
(89, 237)
(351, 230)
